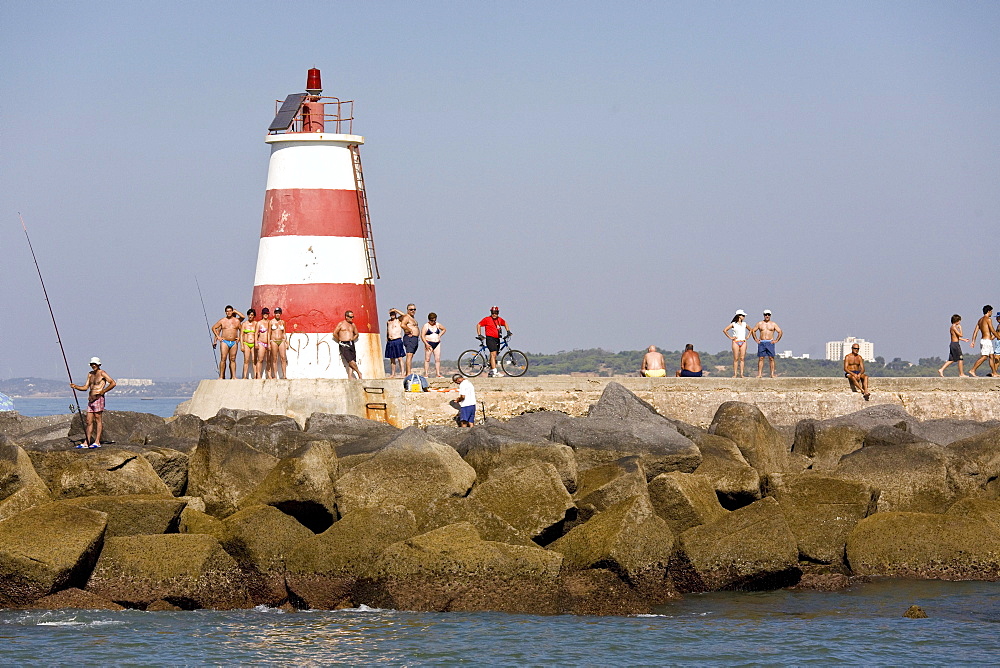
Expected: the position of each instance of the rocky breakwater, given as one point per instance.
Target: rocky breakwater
(612, 513)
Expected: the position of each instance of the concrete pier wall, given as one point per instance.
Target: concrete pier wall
(784, 401)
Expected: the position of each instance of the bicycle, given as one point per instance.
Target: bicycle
(471, 363)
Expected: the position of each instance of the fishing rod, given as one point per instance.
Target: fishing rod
(51, 313)
(211, 334)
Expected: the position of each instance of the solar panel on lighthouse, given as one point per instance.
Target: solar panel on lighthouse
(287, 112)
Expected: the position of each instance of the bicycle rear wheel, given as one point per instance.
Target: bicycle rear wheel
(471, 363)
(514, 363)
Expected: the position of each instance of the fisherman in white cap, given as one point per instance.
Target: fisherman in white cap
(98, 384)
(736, 331)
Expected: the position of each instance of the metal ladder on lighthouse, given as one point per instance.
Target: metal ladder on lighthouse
(366, 221)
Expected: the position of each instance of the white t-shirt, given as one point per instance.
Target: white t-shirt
(466, 389)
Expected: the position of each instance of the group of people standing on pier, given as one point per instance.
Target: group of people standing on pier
(264, 343)
(403, 337)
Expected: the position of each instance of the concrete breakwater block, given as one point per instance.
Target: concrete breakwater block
(538, 513)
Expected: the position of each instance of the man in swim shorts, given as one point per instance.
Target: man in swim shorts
(411, 335)
(346, 334)
(854, 371)
(98, 384)
(955, 348)
(653, 365)
(985, 328)
(690, 363)
(766, 333)
(227, 332)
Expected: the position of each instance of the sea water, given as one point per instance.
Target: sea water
(162, 406)
(861, 625)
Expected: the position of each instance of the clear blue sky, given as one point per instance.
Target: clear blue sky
(611, 174)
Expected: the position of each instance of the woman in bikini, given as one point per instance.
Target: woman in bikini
(248, 337)
(279, 346)
(263, 343)
(431, 334)
(739, 330)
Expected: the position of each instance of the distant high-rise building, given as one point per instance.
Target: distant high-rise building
(837, 350)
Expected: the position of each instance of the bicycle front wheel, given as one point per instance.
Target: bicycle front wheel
(514, 363)
(471, 363)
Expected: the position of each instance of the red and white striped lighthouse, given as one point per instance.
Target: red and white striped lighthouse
(316, 258)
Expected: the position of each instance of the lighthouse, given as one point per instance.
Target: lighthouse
(316, 258)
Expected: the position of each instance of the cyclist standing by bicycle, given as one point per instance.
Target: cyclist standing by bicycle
(492, 324)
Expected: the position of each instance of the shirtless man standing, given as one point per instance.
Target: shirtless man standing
(98, 384)
(854, 371)
(653, 365)
(985, 328)
(279, 346)
(227, 332)
(346, 334)
(955, 348)
(690, 363)
(411, 336)
(766, 333)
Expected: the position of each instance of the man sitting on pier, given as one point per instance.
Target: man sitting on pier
(690, 363)
(653, 365)
(854, 371)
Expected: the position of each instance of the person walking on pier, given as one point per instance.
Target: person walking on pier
(653, 365)
(955, 347)
(227, 332)
(346, 334)
(739, 328)
(98, 384)
(766, 333)
(985, 328)
(854, 371)
(466, 401)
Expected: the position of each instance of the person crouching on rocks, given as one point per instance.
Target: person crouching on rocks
(466, 401)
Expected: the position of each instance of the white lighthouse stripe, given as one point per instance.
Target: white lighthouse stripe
(309, 165)
(291, 260)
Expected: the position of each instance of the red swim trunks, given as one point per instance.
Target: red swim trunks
(97, 405)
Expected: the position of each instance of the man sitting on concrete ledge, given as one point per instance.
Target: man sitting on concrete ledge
(854, 371)
(653, 365)
(690, 363)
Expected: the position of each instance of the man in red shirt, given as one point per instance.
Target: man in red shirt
(492, 324)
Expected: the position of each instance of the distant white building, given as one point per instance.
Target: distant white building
(134, 381)
(788, 355)
(837, 350)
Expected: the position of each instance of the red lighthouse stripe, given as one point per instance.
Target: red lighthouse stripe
(318, 307)
(311, 212)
